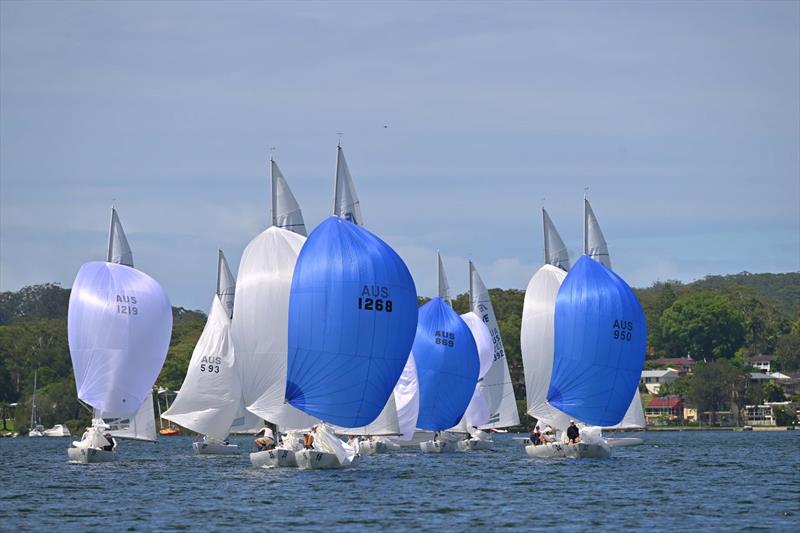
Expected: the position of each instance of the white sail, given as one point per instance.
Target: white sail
(261, 324)
(555, 251)
(246, 423)
(443, 286)
(141, 426)
(345, 199)
(594, 243)
(226, 285)
(496, 386)
(406, 398)
(483, 340)
(211, 393)
(119, 251)
(286, 211)
(385, 425)
(634, 416)
(537, 343)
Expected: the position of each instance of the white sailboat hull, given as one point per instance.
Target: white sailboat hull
(371, 447)
(215, 448)
(546, 451)
(584, 450)
(35, 433)
(418, 438)
(57, 431)
(277, 458)
(317, 460)
(437, 446)
(618, 442)
(472, 445)
(90, 455)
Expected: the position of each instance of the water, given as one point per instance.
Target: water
(677, 481)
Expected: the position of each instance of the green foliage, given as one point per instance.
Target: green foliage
(703, 325)
(784, 415)
(773, 392)
(717, 386)
(787, 350)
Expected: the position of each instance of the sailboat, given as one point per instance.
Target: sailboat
(495, 383)
(448, 367)
(595, 246)
(211, 394)
(260, 323)
(352, 317)
(37, 430)
(119, 326)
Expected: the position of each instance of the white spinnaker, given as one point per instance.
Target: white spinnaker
(385, 425)
(406, 398)
(594, 243)
(261, 324)
(226, 285)
(555, 251)
(119, 328)
(537, 339)
(211, 393)
(142, 426)
(286, 211)
(496, 386)
(119, 251)
(443, 285)
(345, 199)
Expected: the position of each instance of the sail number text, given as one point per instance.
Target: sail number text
(210, 364)
(375, 298)
(445, 338)
(126, 305)
(623, 329)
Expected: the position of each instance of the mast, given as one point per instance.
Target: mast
(220, 259)
(544, 232)
(33, 400)
(336, 177)
(111, 234)
(274, 193)
(471, 291)
(585, 226)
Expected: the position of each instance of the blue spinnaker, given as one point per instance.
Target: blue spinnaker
(352, 317)
(600, 338)
(447, 366)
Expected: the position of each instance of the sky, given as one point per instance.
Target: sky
(460, 120)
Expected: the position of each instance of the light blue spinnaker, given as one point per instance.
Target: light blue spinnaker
(600, 338)
(447, 363)
(352, 318)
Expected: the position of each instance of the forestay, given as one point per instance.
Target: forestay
(345, 199)
(211, 393)
(555, 251)
(261, 324)
(537, 341)
(352, 315)
(286, 211)
(600, 337)
(496, 387)
(447, 362)
(119, 328)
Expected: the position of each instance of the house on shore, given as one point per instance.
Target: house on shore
(653, 379)
(664, 410)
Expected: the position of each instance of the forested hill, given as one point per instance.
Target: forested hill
(716, 317)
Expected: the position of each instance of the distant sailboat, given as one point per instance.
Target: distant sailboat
(36, 430)
(120, 323)
(211, 395)
(260, 321)
(448, 366)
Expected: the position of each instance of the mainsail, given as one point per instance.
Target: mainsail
(119, 327)
(600, 337)
(226, 285)
(352, 314)
(537, 341)
(443, 286)
(119, 251)
(594, 243)
(211, 393)
(448, 364)
(386, 424)
(345, 199)
(555, 251)
(141, 426)
(634, 416)
(477, 412)
(406, 398)
(261, 323)
(496, 386)
(286, 212)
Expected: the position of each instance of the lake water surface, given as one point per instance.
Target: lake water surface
(675, 481)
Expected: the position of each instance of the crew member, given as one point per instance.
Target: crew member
(573, 434)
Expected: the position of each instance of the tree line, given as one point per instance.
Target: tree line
(719, 319)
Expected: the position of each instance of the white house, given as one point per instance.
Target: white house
(653, 379)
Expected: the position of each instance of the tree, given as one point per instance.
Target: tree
(773, 392)
(717, 386)
(704, 325)
(787, 350)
